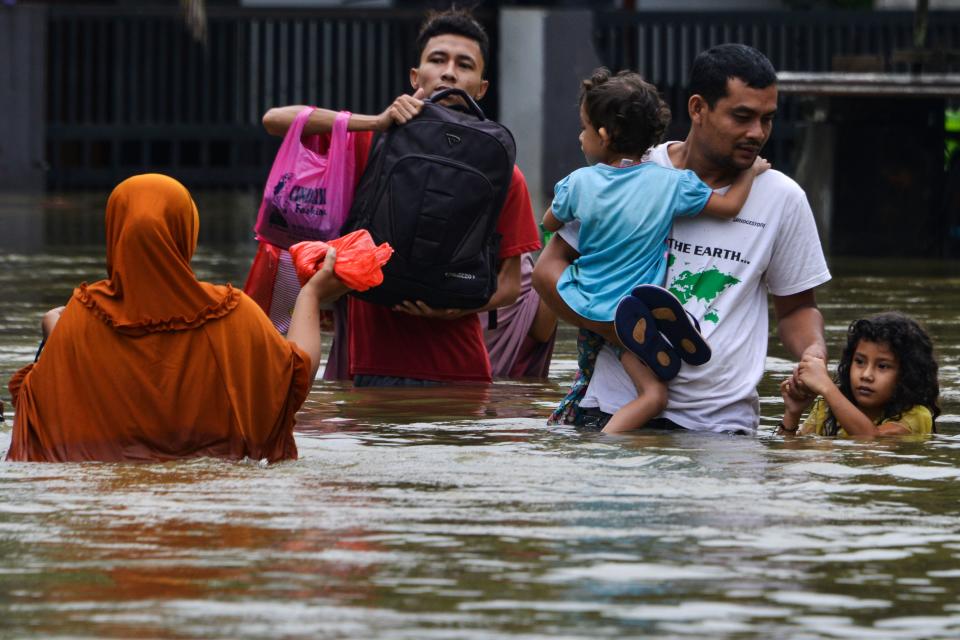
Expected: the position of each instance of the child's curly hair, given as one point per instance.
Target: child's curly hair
(917, 378)
(628, 107)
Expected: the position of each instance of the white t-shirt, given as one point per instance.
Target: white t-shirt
(721, 270)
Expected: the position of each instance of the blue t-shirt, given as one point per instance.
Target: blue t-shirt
(625, 216)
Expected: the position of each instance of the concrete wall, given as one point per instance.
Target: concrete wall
(544, 54)
(520, 80)
(22, 71)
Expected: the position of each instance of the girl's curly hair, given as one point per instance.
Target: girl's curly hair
(628, 107)
(917, 377)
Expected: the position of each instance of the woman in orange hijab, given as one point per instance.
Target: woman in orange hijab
(152, 364)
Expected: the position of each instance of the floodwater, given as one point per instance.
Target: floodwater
(412, 514)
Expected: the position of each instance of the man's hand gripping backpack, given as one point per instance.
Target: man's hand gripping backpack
(433, 189)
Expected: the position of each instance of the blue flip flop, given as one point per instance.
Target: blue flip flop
(675, 323)
(637, 330)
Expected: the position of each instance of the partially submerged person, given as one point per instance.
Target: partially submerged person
(721, 270)
(625, 208)
(886, 384)
(414, 344)
(521, 343)
(152, 364)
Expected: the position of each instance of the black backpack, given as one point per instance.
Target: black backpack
(433, 189)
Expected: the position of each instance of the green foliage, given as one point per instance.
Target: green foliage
(951, 126)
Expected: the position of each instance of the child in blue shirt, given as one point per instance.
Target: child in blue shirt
(626, 209)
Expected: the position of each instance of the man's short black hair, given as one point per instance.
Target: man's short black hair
(713, 67)
(459, 22)
(628, 107)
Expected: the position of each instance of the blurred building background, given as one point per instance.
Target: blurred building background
(96, 91)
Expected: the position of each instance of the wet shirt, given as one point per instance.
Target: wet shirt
(918, 420)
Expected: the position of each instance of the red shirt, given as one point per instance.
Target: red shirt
(385, 342)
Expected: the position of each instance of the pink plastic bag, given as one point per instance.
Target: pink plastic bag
(308, 195)
(358, 259)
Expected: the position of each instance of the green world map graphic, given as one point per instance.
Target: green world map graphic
(704, 286)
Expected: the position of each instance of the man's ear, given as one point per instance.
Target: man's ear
(696, 105)
(482, 91)
(414, 78)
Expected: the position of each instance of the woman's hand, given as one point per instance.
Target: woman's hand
(325, 286)
(304, 330)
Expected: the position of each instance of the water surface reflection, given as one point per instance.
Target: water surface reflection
(455, 513)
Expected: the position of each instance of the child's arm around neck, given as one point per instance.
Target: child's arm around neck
(728, 205)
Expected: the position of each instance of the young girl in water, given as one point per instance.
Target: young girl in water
(886, 383)
(626, 209)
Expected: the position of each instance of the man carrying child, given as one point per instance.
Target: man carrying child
(721, 270)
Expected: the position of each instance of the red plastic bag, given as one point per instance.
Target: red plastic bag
(358, 259)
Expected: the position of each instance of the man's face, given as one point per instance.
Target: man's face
(450, 62)
(732, 133)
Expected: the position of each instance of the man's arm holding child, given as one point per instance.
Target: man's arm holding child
(728, 205)
(554, 258)
(278, 119)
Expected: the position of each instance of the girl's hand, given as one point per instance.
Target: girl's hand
(794, 404)
(812, 372)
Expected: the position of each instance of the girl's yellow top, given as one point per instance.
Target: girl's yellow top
(917, 419)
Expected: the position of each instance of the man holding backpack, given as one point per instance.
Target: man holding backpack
(413, 343)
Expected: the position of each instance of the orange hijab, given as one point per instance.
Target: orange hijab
(152, 226)
(152, 364)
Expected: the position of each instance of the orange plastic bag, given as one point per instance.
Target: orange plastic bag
(358, 259)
